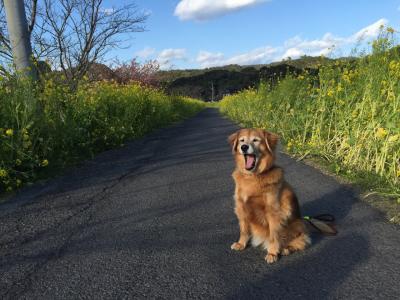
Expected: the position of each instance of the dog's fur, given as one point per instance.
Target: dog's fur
(265, 204)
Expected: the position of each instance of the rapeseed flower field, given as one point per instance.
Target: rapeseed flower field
(349, 114)
(46, 126)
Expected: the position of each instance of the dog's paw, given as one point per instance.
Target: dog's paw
(285, 251)
(271, 258)
(237, 246)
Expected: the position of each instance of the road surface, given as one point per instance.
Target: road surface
(155, 219)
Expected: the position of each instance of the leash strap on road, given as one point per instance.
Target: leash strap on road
(322, 223)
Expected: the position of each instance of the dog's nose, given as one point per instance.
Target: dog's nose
(244, 148)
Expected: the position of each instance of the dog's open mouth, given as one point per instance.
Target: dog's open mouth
(250, 161)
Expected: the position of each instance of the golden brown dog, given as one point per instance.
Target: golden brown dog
(265, 205)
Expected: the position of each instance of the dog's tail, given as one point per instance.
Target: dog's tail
(323, 223)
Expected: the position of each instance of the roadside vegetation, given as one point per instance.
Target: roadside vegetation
(348, 115)
(48, 126)
(78, 106)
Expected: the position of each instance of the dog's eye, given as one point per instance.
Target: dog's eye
(241, 140)
(256, 140)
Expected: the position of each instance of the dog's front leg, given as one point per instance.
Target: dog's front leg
(244, 228)
(274, 238)
(275, 227)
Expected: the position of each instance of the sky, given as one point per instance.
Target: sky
(193, 34)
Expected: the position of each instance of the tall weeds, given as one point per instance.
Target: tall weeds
(47, 126)
(348, 115)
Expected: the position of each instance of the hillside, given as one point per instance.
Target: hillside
(213, 83)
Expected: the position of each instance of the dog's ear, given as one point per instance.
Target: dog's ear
(233, 140)
(271, 139)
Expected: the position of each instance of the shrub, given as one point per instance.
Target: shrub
(49, 126)
(145, 73)
(349, 114)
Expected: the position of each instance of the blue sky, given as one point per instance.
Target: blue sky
(204, 33)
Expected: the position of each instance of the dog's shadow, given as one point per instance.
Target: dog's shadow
(317, 272)
(321, 270)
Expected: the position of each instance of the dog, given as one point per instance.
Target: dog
(265, 204)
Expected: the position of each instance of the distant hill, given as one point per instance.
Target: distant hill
(213, 83)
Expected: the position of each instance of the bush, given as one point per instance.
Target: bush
(48, 126)
(145, 73)
(348, 115)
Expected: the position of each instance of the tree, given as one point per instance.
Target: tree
(74, 34)
(19, 37)
(5, 44)
(133, 71)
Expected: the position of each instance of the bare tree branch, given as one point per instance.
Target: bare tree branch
(5, 46)
(82, 32)
(73, 34)
(33, 11)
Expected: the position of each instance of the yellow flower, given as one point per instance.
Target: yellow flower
(393, 138)
(9, 132)
(44, 163)
(391, 96)
(330, 93)
(381, 133)
(345, 144)
(390, 30)
(392, 65)
(3, 173)
(346, 78)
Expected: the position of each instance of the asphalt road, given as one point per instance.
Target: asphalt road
(155, 219)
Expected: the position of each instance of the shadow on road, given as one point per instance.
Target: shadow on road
(155, 218)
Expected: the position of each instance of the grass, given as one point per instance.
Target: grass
(349, 115)
(214, 104)
(45, 127)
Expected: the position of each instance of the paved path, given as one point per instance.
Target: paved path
(155, 220)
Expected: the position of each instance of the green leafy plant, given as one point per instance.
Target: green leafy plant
(47, 126)
(349, 114)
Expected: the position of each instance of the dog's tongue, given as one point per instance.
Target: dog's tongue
(249, 161)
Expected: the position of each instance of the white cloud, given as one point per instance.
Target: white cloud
(297, 46)
(201, 10)
(369, 32)
(167, 56)
(108, 11)
(172, 54)
(256, 56)
(208, 59)
(145, 52)
(293, 53)
(314, 45)
(294, 47)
